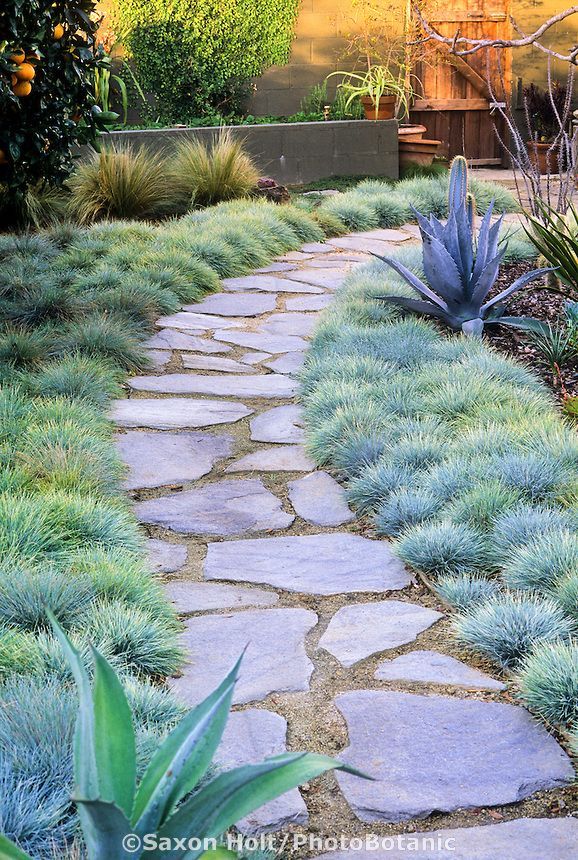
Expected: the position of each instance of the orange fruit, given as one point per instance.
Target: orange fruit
(17, 56)
(25, 72)
(58, 31)
(22, 89)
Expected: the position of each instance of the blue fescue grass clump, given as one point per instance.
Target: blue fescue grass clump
(541, 564)
(548, 680)
(505, 628)
(457, 452)
(443, 547)
(353, 210)
(466, 590)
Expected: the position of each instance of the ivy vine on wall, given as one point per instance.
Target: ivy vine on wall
(198, 56)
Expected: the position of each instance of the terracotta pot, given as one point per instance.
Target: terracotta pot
(385, 108)
(410, 132)
(539, 155)
(419, 151)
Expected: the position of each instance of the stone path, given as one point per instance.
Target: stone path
(346, 653)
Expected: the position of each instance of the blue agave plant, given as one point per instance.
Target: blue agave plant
(460, 272)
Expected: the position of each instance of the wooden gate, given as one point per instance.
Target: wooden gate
(453, 99)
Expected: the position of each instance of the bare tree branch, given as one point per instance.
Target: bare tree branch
(462, 46)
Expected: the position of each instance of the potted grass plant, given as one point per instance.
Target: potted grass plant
(383, 94)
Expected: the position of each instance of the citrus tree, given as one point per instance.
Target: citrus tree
(47, 60)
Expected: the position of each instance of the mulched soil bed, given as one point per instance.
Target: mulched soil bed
(544, 305)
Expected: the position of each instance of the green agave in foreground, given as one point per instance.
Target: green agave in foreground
(459, 272)
(110, 804)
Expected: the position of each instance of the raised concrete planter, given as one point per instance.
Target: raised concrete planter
(294, 153)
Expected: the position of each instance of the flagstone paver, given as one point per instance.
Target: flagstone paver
(286, 458)
(312, 564)
(268, 283)
(159, 459)
(202, 596)
(437, 753)
(320, 500)
(521, 839)
(214, 362)
(249, 737)
(291, 363)
(264, 342)
(222, 508)
(172, 412)
(165, 557)
(280, 424)
(362, 629)
(275, 659)
(271, 385)
(430, 667)
(234, 304)
(170, 338)
(244, 569)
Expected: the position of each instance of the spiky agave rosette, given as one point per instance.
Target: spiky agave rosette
(460, 273)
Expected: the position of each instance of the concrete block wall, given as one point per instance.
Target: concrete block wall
(297, 153)
(318, 49)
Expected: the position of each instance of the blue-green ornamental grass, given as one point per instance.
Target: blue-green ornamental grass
(75, 306)
(456, 452)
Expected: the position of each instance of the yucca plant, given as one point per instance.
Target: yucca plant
(116, 814)
(461, 273)
(556, 238)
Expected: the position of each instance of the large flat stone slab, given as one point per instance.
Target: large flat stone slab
(234, 305)
(300, 324)
(430, 667)
(254, 357)
(165, 557)
(275, 659)
(159, 459)
(316, 248)
(264, 342)
(254, 385)
(309, 303)
(159, 358)
(184, 320)
(275, 267)
(215, 363)
(221, 508)
(291, 363)
(170, 338)
(205, 596)
(287, 458)
(312, 564)
(365, 245)
(319, 499)
(521, 839)
(249, 737)
(437, 754)
(172, 412)
(267, 283)
(362, 629)
(330, 278)
(280, 424)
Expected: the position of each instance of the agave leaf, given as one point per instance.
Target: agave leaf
(232, 795)
(486, 280)
(483, 253)
(517, 285)
(458, 242)
(114, 742)
(9, 851)
(85, 768)
(523, 323)
(441, 271)
(429, 226)
(417, 306)
(184, 757)
(473, 328)
(104, 827)
(415, 282)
